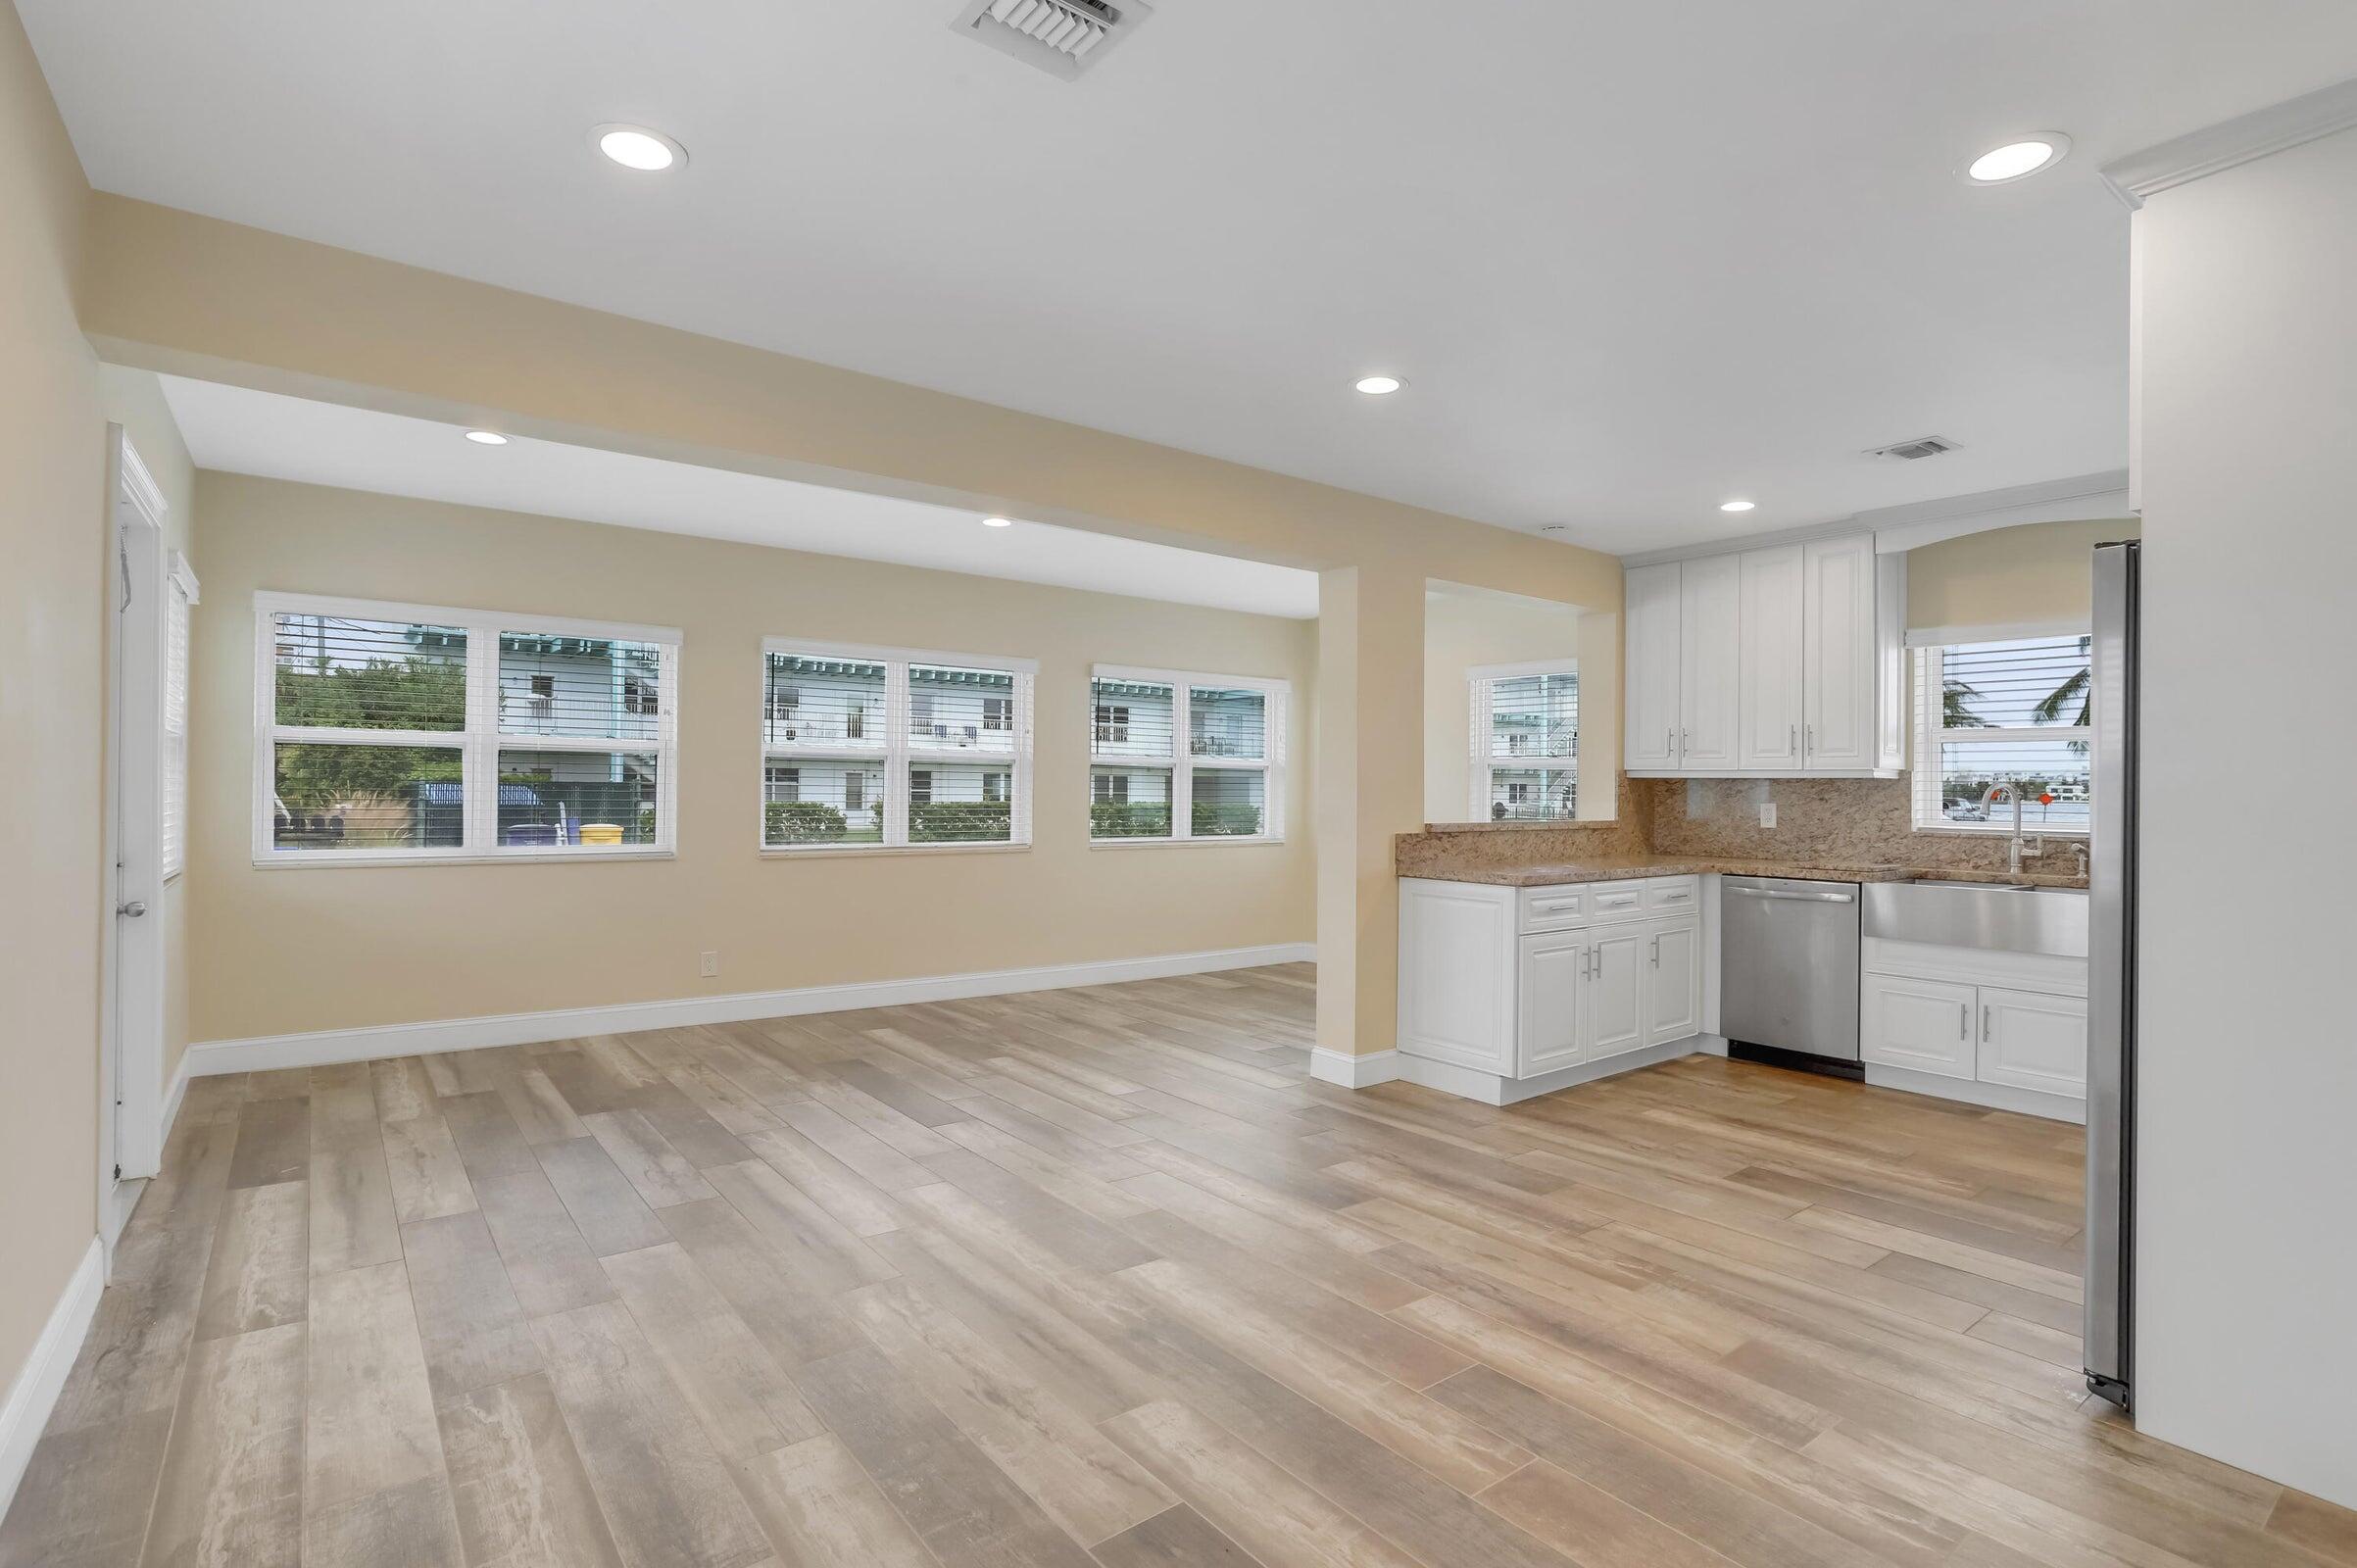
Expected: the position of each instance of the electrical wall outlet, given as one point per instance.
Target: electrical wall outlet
(710, 969)
(1767, 813)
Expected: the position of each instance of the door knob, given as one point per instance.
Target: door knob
(133, 909)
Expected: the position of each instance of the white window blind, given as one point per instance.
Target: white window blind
(1178, 758)
(892, 748)
(179, 593)
(2010, 712)
(407, 732)
(1525, 740)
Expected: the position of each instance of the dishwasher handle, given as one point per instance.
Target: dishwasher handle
(1791, 896)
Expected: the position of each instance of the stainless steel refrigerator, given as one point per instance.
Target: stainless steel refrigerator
(2111, 981)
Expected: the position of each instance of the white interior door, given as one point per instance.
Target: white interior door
(130, 1131)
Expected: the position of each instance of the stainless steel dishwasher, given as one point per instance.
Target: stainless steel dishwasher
(1788, 970)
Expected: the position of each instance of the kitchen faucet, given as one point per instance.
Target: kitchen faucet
(2015, 852)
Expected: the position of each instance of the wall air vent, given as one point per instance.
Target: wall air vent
(1924, 446)
(1062, 37)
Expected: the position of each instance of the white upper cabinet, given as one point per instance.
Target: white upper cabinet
(1650, 725)
(1838, 654)
(1788, 658)
(1772, 676)
(1710, 663)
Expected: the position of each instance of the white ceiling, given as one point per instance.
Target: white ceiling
(241, 431)
(1634, 258)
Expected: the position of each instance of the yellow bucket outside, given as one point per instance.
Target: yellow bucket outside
(601, 833)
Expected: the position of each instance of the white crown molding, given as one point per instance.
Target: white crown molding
(2232, 142)
(42, 1378)
(327, 1047)
(1922, 523)
(136, 483)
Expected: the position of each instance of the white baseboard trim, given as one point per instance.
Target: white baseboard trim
(325, 1047)
(1491, 1089)
(1354, 1072)
(42, 1378)
(1996, 1097)
(174, 1093)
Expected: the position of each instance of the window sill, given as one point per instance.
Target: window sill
(1180, 844)
(870, 852)
(1960, 831)
(346, 860)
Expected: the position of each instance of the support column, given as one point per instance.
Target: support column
(1370, 787)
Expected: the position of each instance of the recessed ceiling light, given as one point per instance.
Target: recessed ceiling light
(1735, 506)
(637, 147)
(997, 523)
(487, 438)
(2017, 159)
(1380, 386)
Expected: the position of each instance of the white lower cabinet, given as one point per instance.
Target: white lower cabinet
(1511, 984)
(2001, 1029)
(1616, 997)
(1552, 981)
(1925, 1025)
(2032, 1041)
(1674, 982)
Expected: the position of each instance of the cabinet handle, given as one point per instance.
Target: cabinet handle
(1985, 1011)
(1792, 739)
(1656, 953)
(1669, 743)
(1964, 1028)
(1588, 964)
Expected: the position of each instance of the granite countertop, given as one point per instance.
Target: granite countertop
(1533, 874)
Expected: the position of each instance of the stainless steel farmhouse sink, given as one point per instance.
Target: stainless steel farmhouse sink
(1978, 914)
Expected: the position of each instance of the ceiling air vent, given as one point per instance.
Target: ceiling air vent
(1926, 445)
(1062, 37)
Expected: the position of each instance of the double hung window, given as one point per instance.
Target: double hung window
(1175, 757)
(404, 732)
(884, 748)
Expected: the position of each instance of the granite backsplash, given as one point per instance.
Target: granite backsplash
(1833, 821)
(1858, 821)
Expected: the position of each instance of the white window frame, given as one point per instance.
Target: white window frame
(1930, 688)
(1276, 702)
(895, 750)
(180, 595)
(1478, 775)
(478, 744)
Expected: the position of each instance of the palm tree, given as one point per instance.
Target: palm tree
(2080, 689)
(1953, 713)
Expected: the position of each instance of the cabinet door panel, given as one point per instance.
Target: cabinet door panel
(1650, 728)
(1925, 1025)
(1770, 663)
(1553, 976)
(1710, 633)
(2033, 1042)
(1673, 981)
(1615, 1004)
(1456, 976)
(1838, 654)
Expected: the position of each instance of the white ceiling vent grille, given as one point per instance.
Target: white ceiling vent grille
(1062, 37)
(1923, 446)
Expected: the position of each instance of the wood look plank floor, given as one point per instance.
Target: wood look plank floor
(1100, 1277)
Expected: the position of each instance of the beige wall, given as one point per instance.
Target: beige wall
(172, 291)
(52, 707)
(287, 949)
(2037, 572)
(134, 400)
(1463, 629)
